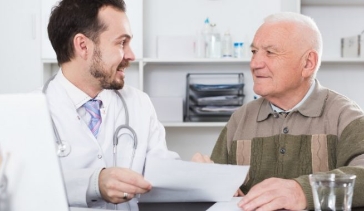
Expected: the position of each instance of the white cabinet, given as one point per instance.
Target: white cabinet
(20, 69)
(48, 53)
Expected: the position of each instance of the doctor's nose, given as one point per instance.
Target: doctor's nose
(129, 54)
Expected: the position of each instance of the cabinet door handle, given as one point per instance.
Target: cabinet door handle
(34, 24)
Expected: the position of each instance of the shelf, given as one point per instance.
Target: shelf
(49, 61)
(244, 60)
(196, 60)
(332, 2)
(343, 60)
(230, 60)
(54, 61)
(194, 124)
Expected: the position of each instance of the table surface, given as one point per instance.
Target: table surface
(180, 206)
(187, 206)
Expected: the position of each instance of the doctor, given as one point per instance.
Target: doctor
(92, 43)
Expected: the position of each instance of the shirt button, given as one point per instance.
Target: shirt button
(99, 156)
(275, 115)
(285, 130)
(282, 151)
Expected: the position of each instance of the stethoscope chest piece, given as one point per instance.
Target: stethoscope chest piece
(63, 149)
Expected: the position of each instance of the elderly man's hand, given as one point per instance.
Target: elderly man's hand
(273, 194)
(199, 158)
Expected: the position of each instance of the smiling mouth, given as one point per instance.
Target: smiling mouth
(123, 65)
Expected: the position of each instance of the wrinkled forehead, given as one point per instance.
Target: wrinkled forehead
(277, 34)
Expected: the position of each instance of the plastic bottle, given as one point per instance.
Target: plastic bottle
(214, 43)
(227, 45)
(241, 48)
(200, 45)
(206, 31)
(201, 39)
(238, 50)
(206, 27)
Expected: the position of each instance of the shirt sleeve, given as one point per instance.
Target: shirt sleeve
(93, 195)
(77, 184)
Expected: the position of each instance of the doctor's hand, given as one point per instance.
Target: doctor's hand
(199, 158)
(273, 194)
(121, 184)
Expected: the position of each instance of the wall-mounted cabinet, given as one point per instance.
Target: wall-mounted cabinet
(20, 69)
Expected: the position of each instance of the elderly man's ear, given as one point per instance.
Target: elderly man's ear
(310, 64)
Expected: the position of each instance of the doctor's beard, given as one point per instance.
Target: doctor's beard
(106, 77)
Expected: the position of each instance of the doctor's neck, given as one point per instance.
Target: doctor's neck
(81, 79)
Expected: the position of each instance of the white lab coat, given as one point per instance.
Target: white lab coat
(89, 154)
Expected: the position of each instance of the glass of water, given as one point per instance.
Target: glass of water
(332, 191)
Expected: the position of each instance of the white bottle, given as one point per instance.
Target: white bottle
(238, 50)
(200, 45)
(214, 43)
(227, 45)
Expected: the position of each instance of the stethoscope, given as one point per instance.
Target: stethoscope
(64, 148)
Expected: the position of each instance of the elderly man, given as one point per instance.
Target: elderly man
(297, 127)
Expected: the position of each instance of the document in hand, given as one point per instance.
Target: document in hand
(183, 181)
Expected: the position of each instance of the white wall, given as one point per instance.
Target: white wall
(189, 141)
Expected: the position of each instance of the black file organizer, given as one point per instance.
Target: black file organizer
(213, 102)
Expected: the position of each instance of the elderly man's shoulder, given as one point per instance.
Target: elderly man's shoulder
(339, 99)
(339, 103)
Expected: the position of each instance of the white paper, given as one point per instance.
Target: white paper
(183, 181)
(231, 205)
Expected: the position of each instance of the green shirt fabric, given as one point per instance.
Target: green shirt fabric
(324, 134)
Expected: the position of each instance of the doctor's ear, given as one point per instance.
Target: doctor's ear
(80, 42)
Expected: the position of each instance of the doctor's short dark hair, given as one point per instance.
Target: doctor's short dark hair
(71, 17)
